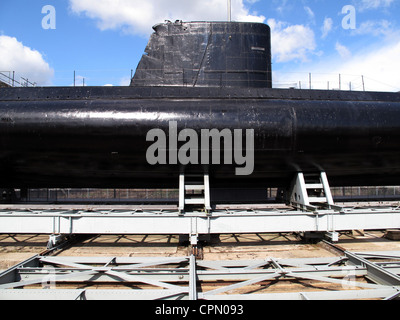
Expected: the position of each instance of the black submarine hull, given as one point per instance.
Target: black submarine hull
(96, 137)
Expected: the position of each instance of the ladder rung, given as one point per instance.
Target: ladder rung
(194, 201)
(314, 186)
(317, 199)
(194, 187)
(312, 174)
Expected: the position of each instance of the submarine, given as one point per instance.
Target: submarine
(201, 101)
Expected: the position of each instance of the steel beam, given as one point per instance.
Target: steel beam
(320, 295)
(12, 274)
(192, 279)
(195, 223)
(375, 272)
(178, 276)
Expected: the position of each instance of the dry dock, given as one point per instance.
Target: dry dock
(239, 266)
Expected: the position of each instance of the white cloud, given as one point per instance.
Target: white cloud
(26, 62)
(343, 51)
(138, 16)
(375, 28)
(327, 27)
(310, 13)
(378, 64)
(375, 4)
(291, 42)
(124, 81)
(281, 5)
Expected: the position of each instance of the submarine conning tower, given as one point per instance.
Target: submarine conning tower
(207, 54)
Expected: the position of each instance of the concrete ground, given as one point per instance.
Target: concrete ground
(17, 248)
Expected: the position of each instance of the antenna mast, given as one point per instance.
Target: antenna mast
(229, 10)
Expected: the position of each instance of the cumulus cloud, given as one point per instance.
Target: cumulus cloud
(343, 51)
(326, 27)
(375, 4)
(291, 42)
(138, 16)
(376, 28)
(26, 62)
(378, 65)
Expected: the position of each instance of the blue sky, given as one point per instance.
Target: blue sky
(104, 39)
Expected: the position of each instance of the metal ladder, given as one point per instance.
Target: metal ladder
(311, 191)
(194, 183)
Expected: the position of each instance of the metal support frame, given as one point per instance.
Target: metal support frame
(315, 212)
(311, 192)
(194, 183)
(177, 278)
(149, 221)
(54, 240)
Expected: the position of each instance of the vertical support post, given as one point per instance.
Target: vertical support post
(363, 84)
(207, 203)
(194, 235)
(192, 278)
(181, 192)
(229, 10)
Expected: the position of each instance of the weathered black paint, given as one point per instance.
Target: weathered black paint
(207, 54)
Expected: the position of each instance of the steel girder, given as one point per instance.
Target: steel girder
(125, 221)
(351, 276)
